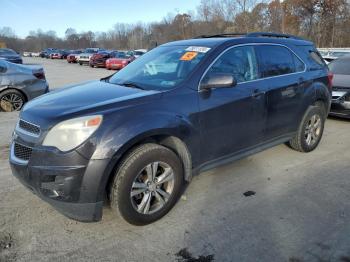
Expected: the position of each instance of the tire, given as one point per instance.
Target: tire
(80, 63)
(133, 168)
(310, 131)
(11, 100)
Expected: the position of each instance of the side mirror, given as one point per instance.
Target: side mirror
(218, 80)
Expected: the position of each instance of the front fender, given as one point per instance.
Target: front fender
(120, 137)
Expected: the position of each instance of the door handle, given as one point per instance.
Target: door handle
(257, 93)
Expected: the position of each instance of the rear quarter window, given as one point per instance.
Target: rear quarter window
(314, 58)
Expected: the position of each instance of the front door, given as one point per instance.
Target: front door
(233, 119)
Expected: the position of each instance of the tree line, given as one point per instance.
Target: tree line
(325, 22)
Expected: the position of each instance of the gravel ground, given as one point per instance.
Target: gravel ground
(298, 210)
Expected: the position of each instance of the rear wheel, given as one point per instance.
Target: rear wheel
(11, 100)
(310, 131)
(147, 184)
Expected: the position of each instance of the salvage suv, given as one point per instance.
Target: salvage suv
(139, 135)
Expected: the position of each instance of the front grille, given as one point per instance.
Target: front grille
(31, 128)
(22, 152)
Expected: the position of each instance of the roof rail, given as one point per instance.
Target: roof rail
(222, 35)
(277, 35)
(254, 34)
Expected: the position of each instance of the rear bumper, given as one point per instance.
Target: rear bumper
(70, 183)
(36, 89)
(115, 66)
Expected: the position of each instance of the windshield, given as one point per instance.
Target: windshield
(162, 68)
(340, 66)
(7, 52)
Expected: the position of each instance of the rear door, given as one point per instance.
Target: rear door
(283, 73)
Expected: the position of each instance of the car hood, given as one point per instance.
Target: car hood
(94, 97)
(341, 81)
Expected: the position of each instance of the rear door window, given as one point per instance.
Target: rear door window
(278, 60)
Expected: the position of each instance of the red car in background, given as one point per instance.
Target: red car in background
(120, 61)
(99, 59)
(72, 57)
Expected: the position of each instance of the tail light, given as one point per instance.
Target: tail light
(330, 80)
(40, 75)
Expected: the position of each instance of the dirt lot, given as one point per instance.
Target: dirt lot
(300, 210)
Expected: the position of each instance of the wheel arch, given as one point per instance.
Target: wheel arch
(170, 141)
(14, 88)
(322, 96)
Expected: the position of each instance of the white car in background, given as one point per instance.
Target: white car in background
(139, 52)
(27, 54)
(84, 58)
(35, 54)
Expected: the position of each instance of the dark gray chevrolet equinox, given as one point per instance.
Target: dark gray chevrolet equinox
(184, 107)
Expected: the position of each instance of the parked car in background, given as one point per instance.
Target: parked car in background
(120, 61)
(45, 52)
(27, 54)
(84, 58)
(19, 84)
(99, 59)
(182, 108)
(139, 52)
(10, 56)
(72, 57)
(64, 53)
(341, 87)
(330, 54)
(56, 55)
(35, 54)
(49, 52)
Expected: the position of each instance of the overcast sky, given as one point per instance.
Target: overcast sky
(84, 15)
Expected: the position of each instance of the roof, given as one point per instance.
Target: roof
(258, 37)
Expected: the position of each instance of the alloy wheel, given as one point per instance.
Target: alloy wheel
(152, 188)
(11, 102)
(313, 130)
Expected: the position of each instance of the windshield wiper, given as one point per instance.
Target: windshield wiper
(131, 84)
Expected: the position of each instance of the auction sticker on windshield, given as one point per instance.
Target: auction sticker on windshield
(199, 49)
(188, 56)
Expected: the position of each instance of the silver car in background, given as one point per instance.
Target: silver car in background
(19, 84)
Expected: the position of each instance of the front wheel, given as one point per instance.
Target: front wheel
(147, 184)
(310, 131)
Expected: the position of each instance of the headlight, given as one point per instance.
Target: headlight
(72, 133)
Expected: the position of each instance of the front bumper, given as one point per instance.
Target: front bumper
(67, 181)
(340, 103)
